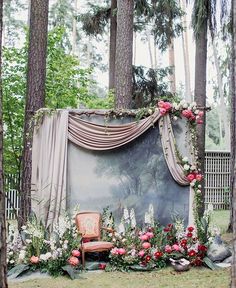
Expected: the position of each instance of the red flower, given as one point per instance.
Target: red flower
(73, 261)
(199, 121)
(192, 253)
(190, 228)
(170, 225)
(158, 254)
(148, 258)
(189, 235)
(202, 248)
(199, 177)
(197, 261)
(102, 266)
(166, 229)
(183, 243)
(188, 114)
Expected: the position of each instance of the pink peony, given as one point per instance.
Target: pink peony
(150, 235)
(144, 237)
(168, 249)
(34, 259)
(199, 177)
(190, 177)
(73, 261)
(176, 247)
(121, 251)
(146, 245)
(163, 111)
(75, 253)
(141, 253)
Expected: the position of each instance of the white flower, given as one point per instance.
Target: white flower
(199, 191)
(175, 118)
(193, 167)
(10, 253)
(185, 105)
(132, 217)
(199, 186)
(196, 111)
(28, 241)
(65, 246)
(48, 255)
(126, 214)
(186, 167)
(43, 257)
(182, 102)
(12, 261)
(22, 255)
(66, 241)
(176, 106)
(185, 159)
(121, 228)
(23, 227)
(123, 240)
(193, 183)
(150, 111)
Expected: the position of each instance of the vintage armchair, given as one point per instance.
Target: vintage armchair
(89, 226)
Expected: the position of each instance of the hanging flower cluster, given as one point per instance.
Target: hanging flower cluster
(182, 109)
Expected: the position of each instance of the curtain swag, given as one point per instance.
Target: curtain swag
(49, 153)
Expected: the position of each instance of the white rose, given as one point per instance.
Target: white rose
(196, 111)
(12, 261)
(150, 111)
(43, 257)
(48, 255)
(10, 253)
(185, 105)
(175, 118)
(199, 186)
(193, 167)
(186, 167)
(185, 159)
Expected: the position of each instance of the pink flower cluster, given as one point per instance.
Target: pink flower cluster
(164, 107)
(118, 251)
(73, 260)
(187, 113)
(194, 176)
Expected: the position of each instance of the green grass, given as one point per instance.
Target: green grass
(220, 219)
(196, 277)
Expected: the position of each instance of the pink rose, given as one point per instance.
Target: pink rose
(146, 245)
(199, 177)
(167, 106)
(143, 237)
(163, 111)
(175, 247)
(141, 253)
(190, 177)
(75, 253)
(187, 113)
(161, 104)
(34, 259)
(150, 235)
(115, 251)
(73, 261)
(121, 251)
(199, 121)
(168, 249)
(200, 113)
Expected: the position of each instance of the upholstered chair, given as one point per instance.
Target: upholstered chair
(89, 227)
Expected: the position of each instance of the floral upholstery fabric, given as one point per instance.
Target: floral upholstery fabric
(88, 225)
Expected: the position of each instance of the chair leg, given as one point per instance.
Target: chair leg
(83, 258)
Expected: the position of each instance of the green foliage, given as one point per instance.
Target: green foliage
(107, 102)
(67, 85)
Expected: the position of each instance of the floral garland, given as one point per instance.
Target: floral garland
(194, 116)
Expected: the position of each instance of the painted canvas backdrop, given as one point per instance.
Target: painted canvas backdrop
(133, 176)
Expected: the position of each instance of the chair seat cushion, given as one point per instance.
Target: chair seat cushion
(97, 246)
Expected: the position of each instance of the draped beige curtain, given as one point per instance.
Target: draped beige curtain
(50, 153)
(49, 167)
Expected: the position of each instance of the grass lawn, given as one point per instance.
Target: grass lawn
(196, 277)
(220, 219)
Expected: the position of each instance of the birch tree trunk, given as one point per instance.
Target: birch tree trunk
(3, 248)
(171, 51)
(188, 94)
(124, 54)
(223, 108)
(35, 94)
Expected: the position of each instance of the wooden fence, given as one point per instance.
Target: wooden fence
(217, 181)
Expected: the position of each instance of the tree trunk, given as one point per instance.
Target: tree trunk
(35, 94)
(200, 99)
(3, 248)
(188, 94)
(155, 54)
(171, 51)
(135, 48)
(149, 48)
(223, 109)
(233, 142)
(124, 51)
(112, 50)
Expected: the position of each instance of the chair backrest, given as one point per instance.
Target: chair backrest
(89, 224)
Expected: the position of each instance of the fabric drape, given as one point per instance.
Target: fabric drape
(169, 150)
(49, 167)
(104, 137)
